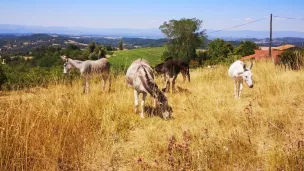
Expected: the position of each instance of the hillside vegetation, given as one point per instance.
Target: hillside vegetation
(123, 59)
(58, 128)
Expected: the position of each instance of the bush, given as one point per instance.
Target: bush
(292, 58)
(3, 77)
(27, 78)
(246, 48)
(202, 56)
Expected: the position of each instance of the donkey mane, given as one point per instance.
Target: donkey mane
(152, 88)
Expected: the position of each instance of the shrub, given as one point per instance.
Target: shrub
(292, 58)
(3, 77)
(202, 56)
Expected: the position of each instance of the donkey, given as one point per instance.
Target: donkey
(239, 72)
(171, 68)
(159, 69)
(140, 77)
(87, 68)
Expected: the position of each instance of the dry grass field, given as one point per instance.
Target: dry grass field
(58, 128)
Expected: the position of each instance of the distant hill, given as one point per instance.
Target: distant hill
(153, 33)
(241, 34)
(122, 32)
(26, 42)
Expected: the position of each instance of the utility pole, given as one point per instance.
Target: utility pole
(270, 36)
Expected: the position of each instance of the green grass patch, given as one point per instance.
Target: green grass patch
(123, 59)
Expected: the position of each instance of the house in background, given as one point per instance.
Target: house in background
(263, 53)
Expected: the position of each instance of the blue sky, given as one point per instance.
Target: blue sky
(216, 14)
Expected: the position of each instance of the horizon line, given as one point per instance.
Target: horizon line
(136, 28)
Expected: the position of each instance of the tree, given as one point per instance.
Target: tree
(218, 49)
(3, 77)
(246, 48)
(92, 47)
(72, 47)
(184, 37)
(202, 56)
(120, 45)
(100, 50)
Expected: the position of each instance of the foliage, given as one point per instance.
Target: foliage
(93, 56)
(246, 48)
(293, 58)
(31, 77)
(218, 50)
(110, 48)
(202, 56)
(73, 47)
(120, 45)
(92, 47)
(3, 77)
(184, 36)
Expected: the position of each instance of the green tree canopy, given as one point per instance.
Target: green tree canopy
(3, 77)
(219, 49)
(246, 48)
(120, 45)
(184, 35)
(92, 47)
(72, 47)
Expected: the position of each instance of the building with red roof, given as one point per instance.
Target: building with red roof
(264, 54)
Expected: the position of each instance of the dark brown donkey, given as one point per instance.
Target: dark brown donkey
(171, 68)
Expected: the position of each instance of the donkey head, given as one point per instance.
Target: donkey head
(66, 66)
(159, 68)
(165, 108)
(247, 75)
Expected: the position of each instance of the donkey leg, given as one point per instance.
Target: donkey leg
(184, 75)
(135, 101)
(167, 83)
(110, 81)
(87, 85)
(173, 83)
(104, 78)
(143, 105)
(235, 89)
(240, 89)
(84, 85)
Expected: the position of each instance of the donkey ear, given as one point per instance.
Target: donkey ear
(244, 67)
(251, 64)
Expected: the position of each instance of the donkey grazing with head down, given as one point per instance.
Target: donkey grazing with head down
(239, 72)
(87, 68)
(140, 77)
(171, 68)
(184, 69)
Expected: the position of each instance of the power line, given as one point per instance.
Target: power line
(237, 25)
(288, 18)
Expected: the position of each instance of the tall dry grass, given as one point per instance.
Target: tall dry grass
(60, 129)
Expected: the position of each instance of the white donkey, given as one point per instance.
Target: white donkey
(140, 77)
(87, 68)
(239, 72)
